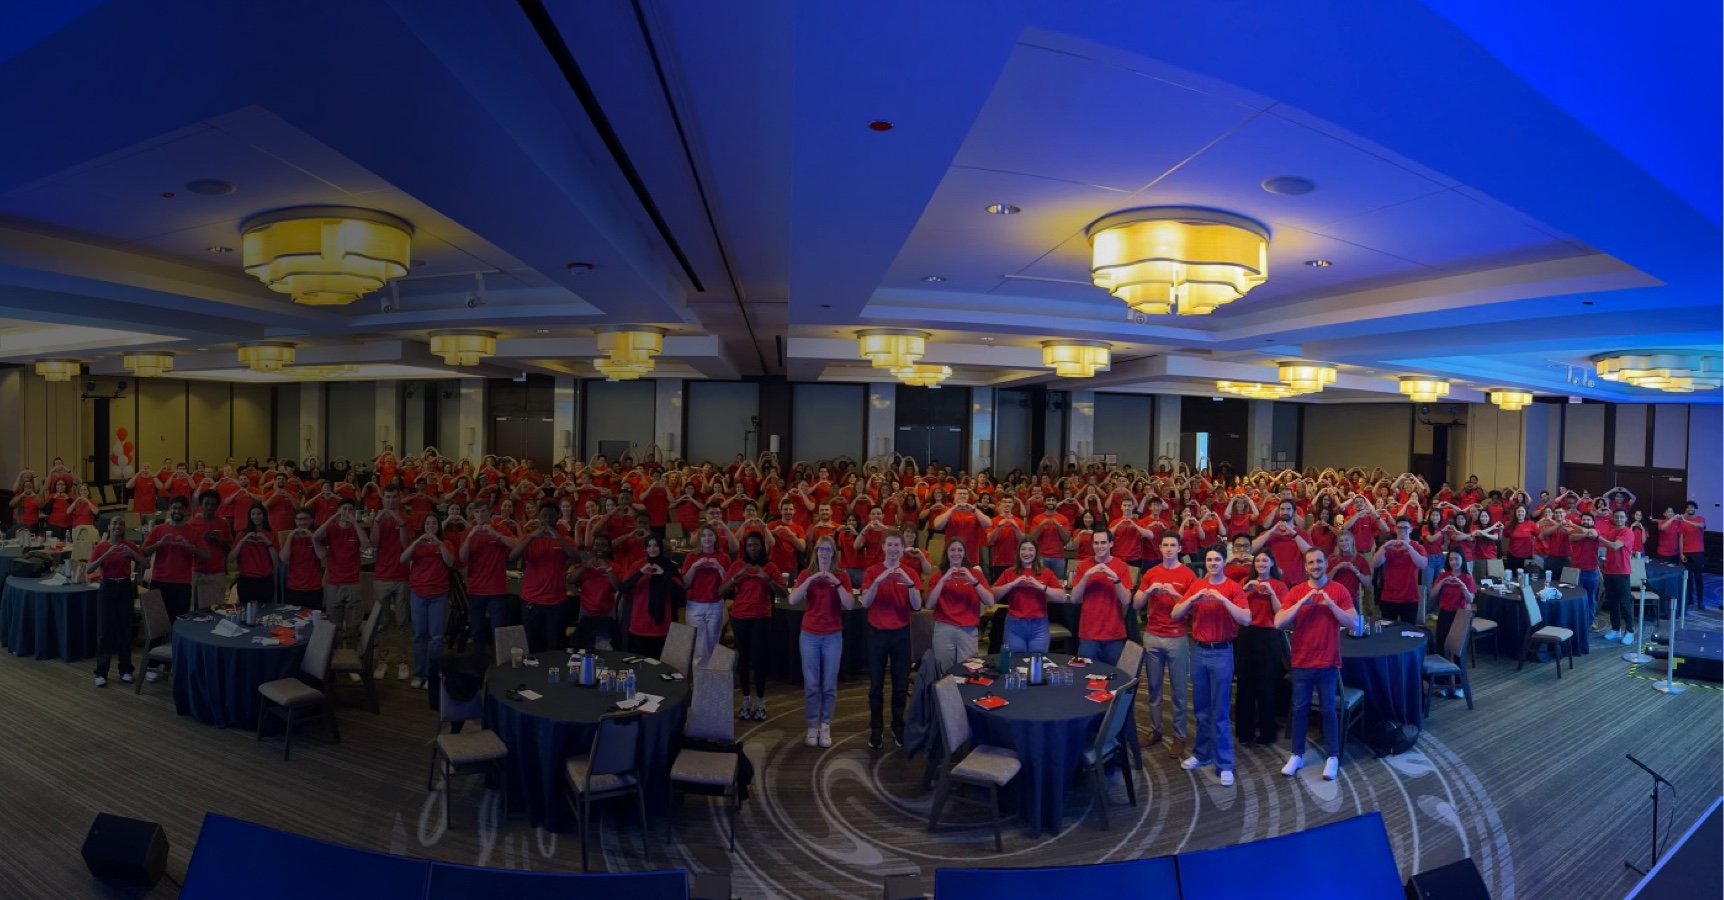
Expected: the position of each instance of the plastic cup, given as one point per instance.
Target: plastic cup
(515, 657)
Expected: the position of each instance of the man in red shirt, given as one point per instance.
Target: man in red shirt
(175, 548)
(1051, 531)
(485, 554)
(216, 534)
(963, 522)
(1693, 552)
(787, 542)
(303, 557)
(1583, 551)
(1316, 611)
(1161, 588)
(1217, 609)
(1284, 540)
(1402, 562)
(545, 555)
(1101, 588)
(117, 559)
(389, 534)
(1620, 543)
(343, 542)
(892, 594)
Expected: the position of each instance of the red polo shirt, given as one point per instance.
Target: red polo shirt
(1102, 618)
(1209, 622)
(1316, 638)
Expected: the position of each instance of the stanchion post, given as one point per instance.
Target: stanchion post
(1678, 618)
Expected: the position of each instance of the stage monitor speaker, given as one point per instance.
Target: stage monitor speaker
(127, 851)
(1455, 881)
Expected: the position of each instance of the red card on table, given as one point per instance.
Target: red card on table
(281, 631)
(982, 680)
(1077, 661)
(1098, 696)
(304, 614)
(991, 702)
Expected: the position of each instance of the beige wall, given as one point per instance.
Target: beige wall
(1358, 434)
(161, 406)
(1495, 446)
(251, 421)
(49, 423)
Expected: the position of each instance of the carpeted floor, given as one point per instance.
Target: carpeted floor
(1532, 784)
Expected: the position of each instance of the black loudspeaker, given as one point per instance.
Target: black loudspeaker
(1455, 881)
(127, 851)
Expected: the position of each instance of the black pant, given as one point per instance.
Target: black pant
(1445, 617)
(1517, 563)
(752, 640)
(545, 623)
(1257, 670)
(1401, 612)
(1555, 564)
(311, 599)
(1696, 566)
(1616, 602)
(176, 598)
(256, 589)
(651, 647)
(888, 647)
(114, 624)
(590, 627)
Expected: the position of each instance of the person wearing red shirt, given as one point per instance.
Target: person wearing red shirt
(1026, 589)
(344, 543)
(545, 555)
(867, 544)
(1217, 610)
(1258, 655)
(1620, 543)
(656, 499)
(1129, 535)
(29, 506)
(1453, 590)
(216, 534)
(653, 589)
(118, 560)
(1583, 551)
(596, 581)
(59, 511)
(963, 523)
(1003, 538)
(143, 487)
(891, 595)
(1401, 561)
(787, 539)
(686, 510)
(83, 508)
(389, 534)
(825, 590)
(303, 557)
(254, 553)
(1051, 532)
(1522, 540)
(1239, 566)
(1316, 610)
(1352, 571)
(1692, 549)
(428, 560)
(702, 573)
(1166, 652)
(1284, 540)
(485, 555)
(957, 593)
(1365, 524)
(174, 548)
(753, 583)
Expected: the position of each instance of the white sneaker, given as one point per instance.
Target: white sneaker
(1226, 779)
(354, 677)
(127, 678)
(1191, 762)
(1612, 635)
(101, 682)
(381, 672)
(1330, 768)
(416, 683)
(747, 711)
(1294, 764)
(151, 676)
(1459, 694)
(813, 738)
(402, 672)
(825, 734)
(1628, 639)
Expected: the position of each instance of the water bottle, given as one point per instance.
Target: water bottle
(1005, 660)
(587, 669)
(551, 676)
(629, 685)
(1547, 577)
(1036, 668)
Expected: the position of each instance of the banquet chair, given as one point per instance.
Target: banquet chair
(1642, 593)
(134, 522)
(208, 594)
(1111, 744)
(1482, 629)
(465, 752)
(88, 533)
(608, 770)
(158, 636)
(711, 773)
(294, 699)
(1350, 706)
(1563, 638)
(678, 652)
(980, 766)
(81, 550)
(348, 661)
(1569, 575)
(1449, 666)
(1061, 637)
(508, 638)
(1131, 659)
(1493, 568)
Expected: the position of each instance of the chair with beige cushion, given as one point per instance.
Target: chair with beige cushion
(349, 661)
(980, 766)
(1112, 744)
(467, 752)
(1539, 633)
(711, 773)
(508, 638)
(678, 652)
(608, 770)
(158, 635)
(304, 697)
(1446, 669)
(1569, 575)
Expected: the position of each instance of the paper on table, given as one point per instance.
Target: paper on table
(228, 628)
(1413, 634)
(652, 662)
(531, 695)
(649, 702)
(55, 579)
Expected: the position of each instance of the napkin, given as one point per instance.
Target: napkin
(1412, 634)
(1077, 661)
(652, 662)
(228, 628)
(1099, 696)
(649, 702)
(55, 579)
(531, 695)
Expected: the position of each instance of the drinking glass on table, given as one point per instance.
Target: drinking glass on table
(515, 657)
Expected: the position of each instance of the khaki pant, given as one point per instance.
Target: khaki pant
(341, 604)
(394, 635)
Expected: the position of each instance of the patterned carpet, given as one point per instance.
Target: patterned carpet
(1531, 784)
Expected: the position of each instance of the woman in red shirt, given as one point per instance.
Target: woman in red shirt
(825, 590)
(428, 560)
(654, 591)
(119, 560)
(1522, 540)
(1257, 653)
(957, 593)
(702, 572)
(254, 551)
(1026, 590)
(1083, 540)
(753, 583)
(1217, 610)
(1454, 589)
(83, 509)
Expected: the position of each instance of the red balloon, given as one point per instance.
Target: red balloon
(120, 433)
(127, 446)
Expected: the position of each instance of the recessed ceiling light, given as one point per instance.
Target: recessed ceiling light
(541, 331)
(880, 125)
(1586, 303)
(210, 187)
(825, 306)
(579, 268)
(1003, 209)
(1289, 185)
(1318, 263)
(933, 279)
(219, 249)
(167, 195)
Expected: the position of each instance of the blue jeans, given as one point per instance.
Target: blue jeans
(1027, 635)
(820, 656)
(1211, 682)
(488, 612)
(708, 622)
(1323, 681)
(1433, 568)
(1106, 651)
(1166, 656)
(1589, 582)
(429, 616)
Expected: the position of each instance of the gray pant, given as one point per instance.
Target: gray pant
(1170, 655)
(341, 605)
(952, 645)
(394, 633)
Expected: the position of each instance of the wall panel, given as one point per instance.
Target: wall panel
(1704, 446)
(1122, 426)
(251, 421)
(1583, 433)
(1631, 434)
(719, 415)
(1670, 436)
(827, 421)
(1011, 431)
(209, 419)
(351, 421)
(162, 419)
(287, 442)
(1357, 434)
(619, 411)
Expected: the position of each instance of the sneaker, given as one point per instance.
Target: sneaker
(1612, 635)
(760, 710)
(126, 677)
(1191, 762)
(1227, 779)
(354, 677)
(402, 672)
(1459, 694)
(416, 683)
(151, 676)
(381, 672)
(1153, 739)
(874, 742)
(1628, 639)
(813, 737)
(898, 737)
(1294, 764)
(747, 711)
(101, 682)
(1331, 767)
(825, 734)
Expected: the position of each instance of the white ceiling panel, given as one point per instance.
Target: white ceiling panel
(1446, 230)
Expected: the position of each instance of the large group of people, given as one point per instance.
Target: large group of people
(1205, 569)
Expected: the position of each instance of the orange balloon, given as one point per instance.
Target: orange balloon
(120, 433)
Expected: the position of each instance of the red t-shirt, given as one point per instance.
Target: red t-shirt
(1209, 622)
(341, 553)
(144, 497)
(783, 553)
(1400, 576)
(1346, 577)
(254, 559)
(388, 565)
(304, 569)
(428, 574)
(1264, 606)
(1285, 549)
(1316, 638)
(1450, 595)
(172, 563)
(1159, 613)
(1026, 601)
(598, 595)
(641, 621)
(1101, 617)
(963, 525)
(1045, 528)
(891, 607)
(1239, 570)
(216, 535)
(1693, 534)
(959, 604)
(1003, 540)
(1125, 538)
(117, 566)
(545, 573)
(752, 598)
(1583, 551)
(487, 564)
(1521, 539)
(704, 587)
(825, 602)
(1616, 560)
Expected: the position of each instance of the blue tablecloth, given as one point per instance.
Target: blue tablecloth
(1389, 668)
(1665, 580)
(1509, 612)
(1049, 727)
(542, 734)
(216, 678)
(43, 621)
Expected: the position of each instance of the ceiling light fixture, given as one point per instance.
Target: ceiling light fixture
(267, 356)
(629, 351)
(1678, 372)
(217, 248)
(1509, 399)
(1003, 209)
(927, 376)
(326, 255)
(892, 348)
(933, 279)
(1076, 359)
(58, 369)
(1166, 259)
(1303, 377)
(331, 371)
(462, 347)
(1420, 389)
(1257, 390)
(1289, 185)
(621, 371)
(148, 365)
(1318, 263)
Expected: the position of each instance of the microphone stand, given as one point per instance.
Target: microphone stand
(1657, 779)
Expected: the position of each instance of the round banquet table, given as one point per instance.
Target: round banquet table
(1664, 579)
(542, 734)
(1049, 727)
(786, 630)
(9, 552)
(216, 678)
(1389, 668)
(1509, 612)
(47, 620)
